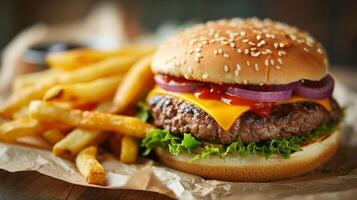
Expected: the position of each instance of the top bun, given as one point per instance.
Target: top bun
(242, 51)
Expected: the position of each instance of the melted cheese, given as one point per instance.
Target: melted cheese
(225, 114)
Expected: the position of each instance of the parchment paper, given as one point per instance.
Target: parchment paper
(336, 179)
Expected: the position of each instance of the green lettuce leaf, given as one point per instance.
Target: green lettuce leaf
(187, 143)
(142, 111)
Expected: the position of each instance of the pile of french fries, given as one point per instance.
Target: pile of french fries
(81, 102)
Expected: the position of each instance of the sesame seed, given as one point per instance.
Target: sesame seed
(232, 45)
(205, 76)
(246, 51)
(220, 51)
(245, 40)
(276, 45)
(272, 62)
(199, 55)
(242, 33)
(281, 45)
(267, 35)
(226, 55)
(248, 63)
(238, 67)
(252, 43)
(261, 43)
(319, 51)
(198, 50)
(226, 68)
(197, 59)
(255, 54)
(272, 36)
(236, 72)
(224, 42)
(239, 50)
(216, 35)
(268, 51)
(266, 62)
(259, 37)
(253, 48)
(256, 67)
(215, 52)
(309, 44)
(245, 82)
(280, 61)
(277, 67)
(205, 42)
(292, 37)
(306, 49)
(186, 76)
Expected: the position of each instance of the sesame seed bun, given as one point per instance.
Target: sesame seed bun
(256, 168)
(248, 51)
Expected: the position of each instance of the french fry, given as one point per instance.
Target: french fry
(73, 59)
(77, 140)
(129, 150)
(25, 126)
(34, 141)
(136, 81)
(117, 65)
(53, 136)
(89, 167)
(104, 90)
(27, 80)
(131, 126)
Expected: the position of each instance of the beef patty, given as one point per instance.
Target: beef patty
(284, 121)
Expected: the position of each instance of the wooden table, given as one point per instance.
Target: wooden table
(33, 185)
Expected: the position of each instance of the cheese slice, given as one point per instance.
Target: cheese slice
(223, 113)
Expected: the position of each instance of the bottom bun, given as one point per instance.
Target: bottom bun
(256, 168)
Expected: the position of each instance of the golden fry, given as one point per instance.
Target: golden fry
(138, 80)
(78, 58)
(25, 126)
(129, 150)
(77, 140)
(27, 80)
(89, 119)
(53, 136)
(89, 167)
(117, 65)
(104, 90)
(34, 141)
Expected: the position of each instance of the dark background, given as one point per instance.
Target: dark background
(333, 22)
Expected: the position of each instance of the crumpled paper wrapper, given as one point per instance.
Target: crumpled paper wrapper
(337, 179)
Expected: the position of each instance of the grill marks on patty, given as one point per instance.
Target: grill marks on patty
(284, 121)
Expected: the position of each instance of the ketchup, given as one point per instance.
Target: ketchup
(217, 92)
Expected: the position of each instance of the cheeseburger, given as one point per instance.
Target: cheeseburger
(243, 100)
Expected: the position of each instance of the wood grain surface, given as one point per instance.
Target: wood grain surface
(33, 185)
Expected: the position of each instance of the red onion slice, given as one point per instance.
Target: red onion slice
(260, 96)
(316, 89)
(268, 88)
(177, 85)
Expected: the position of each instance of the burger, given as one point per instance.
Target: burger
(243, 100)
